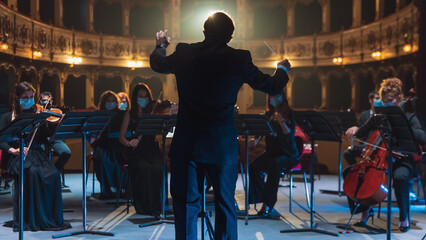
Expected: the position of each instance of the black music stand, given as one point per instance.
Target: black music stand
(398, 136)
(19, 129)
(316, 127)
(158, 125)
(251, 124)
(339, 121)
(83, 125)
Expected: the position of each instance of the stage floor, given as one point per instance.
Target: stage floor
(331, 211)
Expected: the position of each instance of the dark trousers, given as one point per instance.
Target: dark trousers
(272, 165)
(352, 152)
(63, 153)
(401, 185)
(186, 197)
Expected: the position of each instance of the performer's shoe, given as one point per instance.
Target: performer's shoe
(266, 212)
(365, 217)
(404, 228)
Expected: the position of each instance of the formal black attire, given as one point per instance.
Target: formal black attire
(352, 152)
(209, 75)
(145, 169)
(403, 168)
(108, 158)
(42, 184)
(281, 153)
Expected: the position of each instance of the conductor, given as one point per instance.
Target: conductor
(209, 75)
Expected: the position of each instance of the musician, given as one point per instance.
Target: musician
(59, 147)
(209, 75)
(391, 95)
(108, 154)
(144, 155)
(42, 182)
(124, 101)
(280, 154)
(355, 151)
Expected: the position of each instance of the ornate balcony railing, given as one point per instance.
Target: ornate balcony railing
(390, 37)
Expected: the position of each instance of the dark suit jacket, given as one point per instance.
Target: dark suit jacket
(209, 76)
(363, 118)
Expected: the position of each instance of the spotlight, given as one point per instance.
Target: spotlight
(338, 60)
(407, 48)
(376, 54)
(74, 60)
(37, 54)
(134, 64)
(4, 46)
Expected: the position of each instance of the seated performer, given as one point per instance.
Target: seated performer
(144, 155)
(281, 153)
(59, 147)
(108, 153)
(355, 151)
(390, 95)
(42, 182)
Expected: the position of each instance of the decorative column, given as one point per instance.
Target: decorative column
(90, 90)
(61, 100)
(172, 18)
(356, 13)
(125, 15)
(325, 5)
(59, 13)
(170, 88)
(380, 9)
(90, 6)
(291, 8)
(13, 4)
(325, 99)
(35, 9)
(354, 92)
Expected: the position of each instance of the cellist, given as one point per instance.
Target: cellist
(391, 95)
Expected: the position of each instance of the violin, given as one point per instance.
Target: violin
(54, 119)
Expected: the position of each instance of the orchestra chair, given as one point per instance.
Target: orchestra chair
(297, 170)
(51, 155)
(125, 177)
(3, 176)
(90, 160)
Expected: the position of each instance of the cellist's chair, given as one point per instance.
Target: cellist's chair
(297, 169)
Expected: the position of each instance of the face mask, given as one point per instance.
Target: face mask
(380, 103)
(276, 100)
(143, 102)
(43, 102)
(110, 105)
(26, 103)
(123, 106)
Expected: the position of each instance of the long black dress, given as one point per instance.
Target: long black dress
(145, 168)
(108, 157)
(42, 185)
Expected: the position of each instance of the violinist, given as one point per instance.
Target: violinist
(59, 147)
(355, 151)
(42, 184)
(144, 155)
(108, 154)
(281, 153)
(391, 95)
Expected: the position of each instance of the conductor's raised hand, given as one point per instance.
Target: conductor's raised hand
(286, 64)
(162, 38)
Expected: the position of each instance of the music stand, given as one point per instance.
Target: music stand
(158, 125)
(251, 124)
(398, 136)
(83, 125)
(20, 129)
(316, 127)
(339, 121)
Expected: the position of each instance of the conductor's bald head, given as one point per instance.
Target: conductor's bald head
(219, 27)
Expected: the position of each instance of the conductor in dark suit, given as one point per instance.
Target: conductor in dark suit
(209, 75)
(352, 152)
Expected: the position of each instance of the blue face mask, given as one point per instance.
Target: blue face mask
(43, 103)
(110, 106)
(276, 100)
(380, 103)
(26, 103)
(143, 102)
(123, 106)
